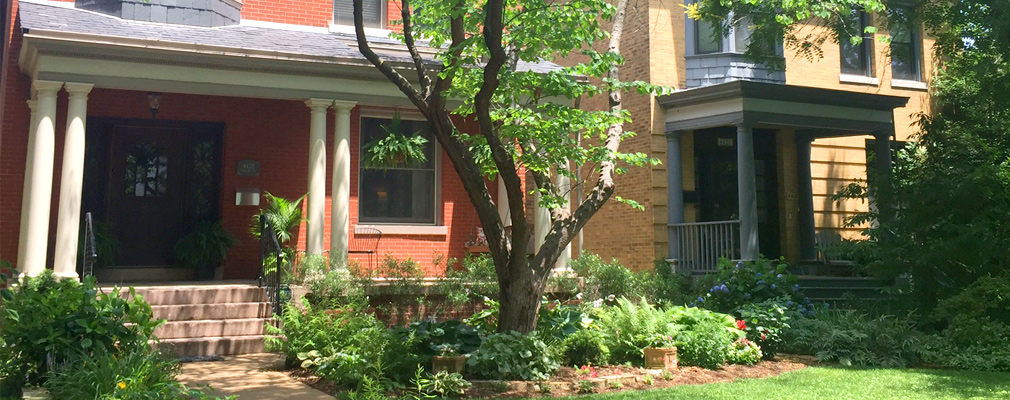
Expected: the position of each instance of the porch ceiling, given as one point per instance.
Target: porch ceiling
(825, 112)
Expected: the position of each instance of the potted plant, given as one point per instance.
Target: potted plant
(661, 353)
(204, 249)
(397, 148)
(448, 359)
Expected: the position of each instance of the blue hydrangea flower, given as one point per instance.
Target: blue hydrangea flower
(746, 295)
(758, 274)
(761, 282)
(773, 286)
(778, 276)
(701, 299)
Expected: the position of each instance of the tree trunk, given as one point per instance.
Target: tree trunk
(520, 297)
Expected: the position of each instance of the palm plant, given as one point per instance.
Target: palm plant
(285, 215)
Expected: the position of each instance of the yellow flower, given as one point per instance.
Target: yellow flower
(122, 385)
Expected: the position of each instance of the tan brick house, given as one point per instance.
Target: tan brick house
(806, 133)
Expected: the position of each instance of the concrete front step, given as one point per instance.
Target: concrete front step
(211, 328)
(207, 346)
(200, 294)
(190, 312)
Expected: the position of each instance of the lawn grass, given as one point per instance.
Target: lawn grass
(830, 383)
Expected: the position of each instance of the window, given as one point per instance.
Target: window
(146, 171)
(403, 194)
(857, 59)
(706, 38)
(373, 13)
(905, 46)
(741, 36)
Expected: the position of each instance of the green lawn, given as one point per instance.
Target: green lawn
(828, 383)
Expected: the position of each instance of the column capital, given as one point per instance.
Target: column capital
(79, 89)
(344, 105)
(674, 135)
(744, 125)
(32, 105)
(315, 104)
(47, 86)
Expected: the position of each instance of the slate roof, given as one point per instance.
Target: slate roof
(59, 18)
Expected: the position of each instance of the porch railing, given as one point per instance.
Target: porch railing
(697, 247)
(271, 264)
(89, 250)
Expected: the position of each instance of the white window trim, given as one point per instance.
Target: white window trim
(859, 79)
(349, 29)
(907, 84)
(397, 227)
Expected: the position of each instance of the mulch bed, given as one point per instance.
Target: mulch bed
(608, 379)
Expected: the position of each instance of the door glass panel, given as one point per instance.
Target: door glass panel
(146, 171)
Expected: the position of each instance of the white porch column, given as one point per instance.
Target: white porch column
(40, 186)
(747, 192)
(541, 222)
(317, 175)
(503, 204)
(674, 192)
(564, 185)
(340, 193)
(26, 192)
(68, 226)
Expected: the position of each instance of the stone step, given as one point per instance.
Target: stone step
(210, 346)
(211, 328)
(190, 312)
(200, 294)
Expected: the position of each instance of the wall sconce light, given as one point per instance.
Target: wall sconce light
(154, 101)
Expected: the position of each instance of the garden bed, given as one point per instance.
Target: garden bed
(567, 381)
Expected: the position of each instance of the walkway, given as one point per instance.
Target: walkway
(251, 377)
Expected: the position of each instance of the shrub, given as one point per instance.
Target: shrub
(987, 297)
(703, 337)
(132, 373)
(977, 344)
(765, 323)
(513, 356)
(556, 321)
(743, 282)
(852, 337)
(49, 318)
(670, 287)
(435, 338)
(585, 347)
(475, 278)
(611, 280)
(744, 351)
(628, 328)
(339, 344)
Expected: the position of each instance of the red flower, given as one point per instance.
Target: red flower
(741, 324)
(763, 337)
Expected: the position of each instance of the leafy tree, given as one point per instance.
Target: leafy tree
(950, 193)
(488, 56)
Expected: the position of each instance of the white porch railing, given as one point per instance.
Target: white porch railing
(697, 247)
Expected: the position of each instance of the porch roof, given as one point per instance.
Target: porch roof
(63, 43)
(828, 112)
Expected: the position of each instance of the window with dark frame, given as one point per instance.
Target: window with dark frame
(706, 40)
(906, 44)
(373, 13)
(857, 59)
(400, 195)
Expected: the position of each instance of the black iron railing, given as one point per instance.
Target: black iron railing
(271, 253)
(89, 250)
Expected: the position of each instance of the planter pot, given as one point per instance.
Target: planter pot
(206, 273)
(448, 363)
(661, 358)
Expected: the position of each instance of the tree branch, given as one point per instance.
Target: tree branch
(395, 77)
(408, 40)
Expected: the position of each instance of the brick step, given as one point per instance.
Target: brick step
(190, 312)
(211, 328)
(201, 294)
(210, 346)
(847, 282)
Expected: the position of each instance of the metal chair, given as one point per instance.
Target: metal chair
(365, 241)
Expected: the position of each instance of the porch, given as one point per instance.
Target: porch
(739, 166)
(230, 113)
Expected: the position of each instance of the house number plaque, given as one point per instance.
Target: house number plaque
(248, 168)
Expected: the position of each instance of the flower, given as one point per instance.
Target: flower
(611, 298)
(121, 385)
(701, 299)
(746, 295)
(778, 276)
(578, 296)
(598, 303)
(741, 324)
(773, 286)
(763, 337)
(758, 275)
(761, 282)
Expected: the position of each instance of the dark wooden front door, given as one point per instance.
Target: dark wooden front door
(150, 183)
(145, 193)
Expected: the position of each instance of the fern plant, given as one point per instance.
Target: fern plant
(285, 215)
(396, 148)
(629, 328)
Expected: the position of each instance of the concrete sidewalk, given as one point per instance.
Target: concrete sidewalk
(251, 377)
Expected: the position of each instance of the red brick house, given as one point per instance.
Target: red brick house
(156, 115)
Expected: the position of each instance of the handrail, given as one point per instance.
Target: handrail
(697, 247)
(90, 250)
(270, 248)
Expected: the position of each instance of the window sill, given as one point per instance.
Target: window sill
(858, 79)
(370, 32)
(906, 84)
(413, 230)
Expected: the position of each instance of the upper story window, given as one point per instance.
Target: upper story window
(706, 38)
(906, 46)
(373, 13)
(405, 193)
(857, 59)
